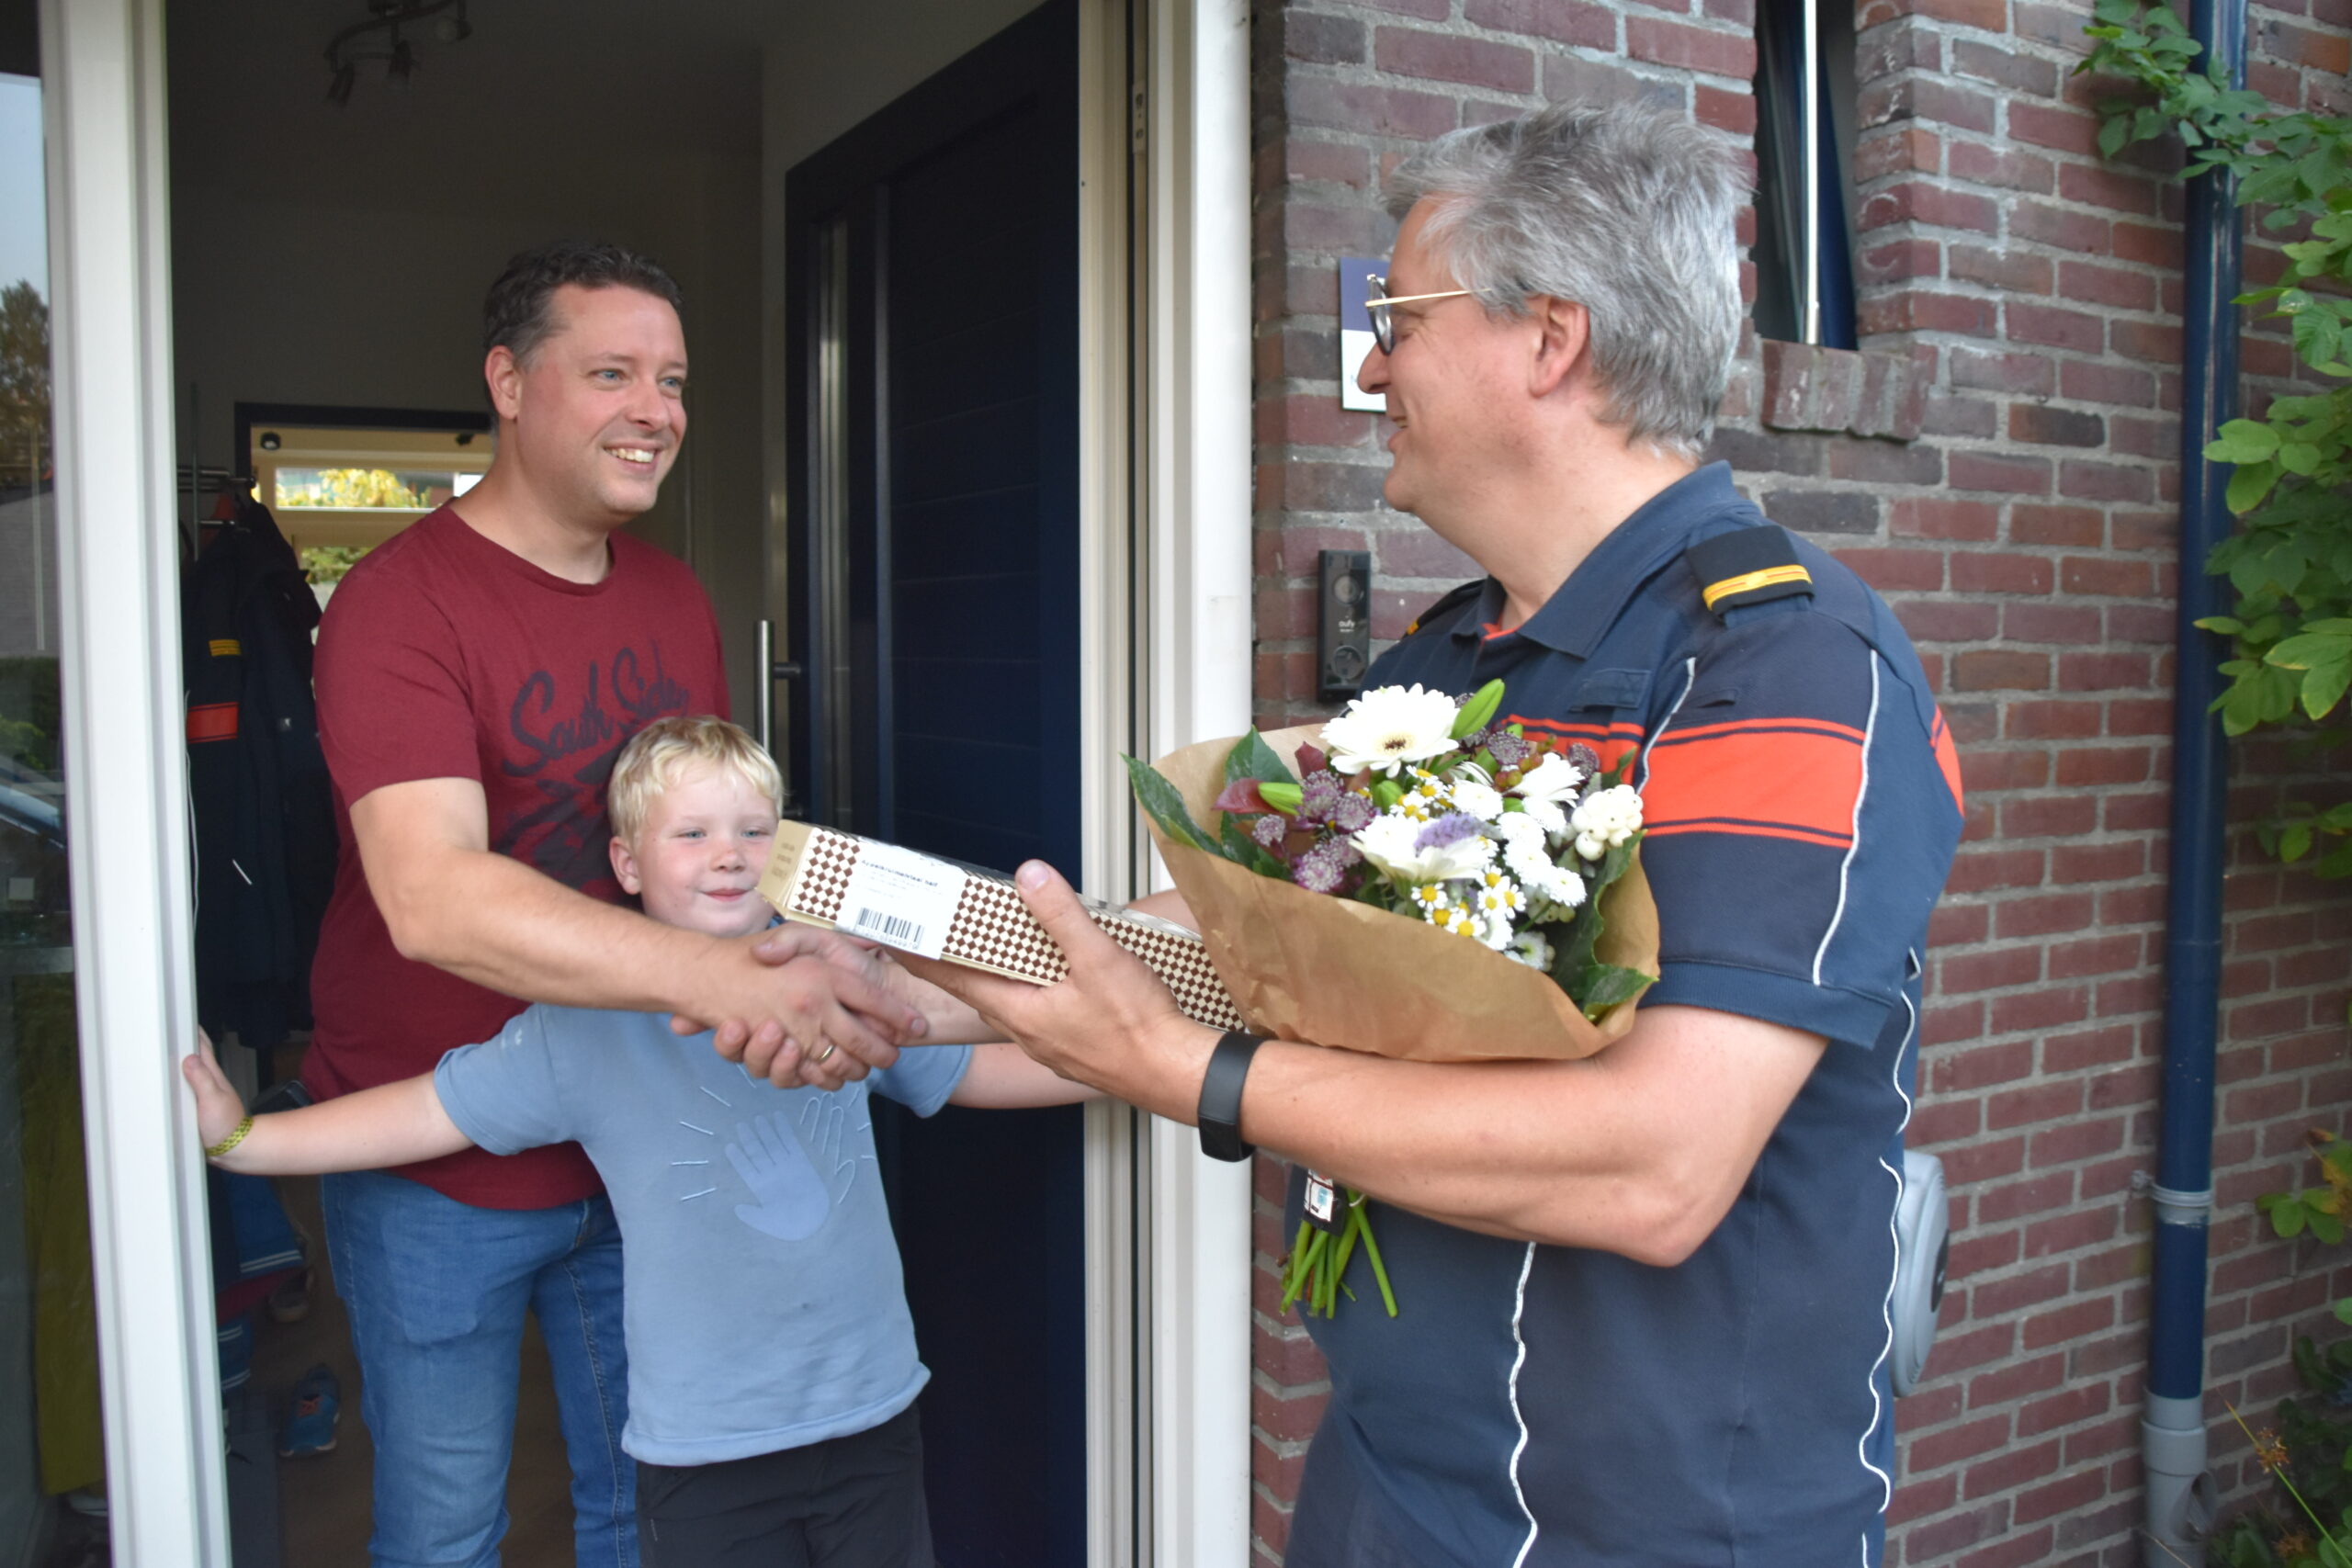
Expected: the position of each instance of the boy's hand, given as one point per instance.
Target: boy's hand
(218, 1107)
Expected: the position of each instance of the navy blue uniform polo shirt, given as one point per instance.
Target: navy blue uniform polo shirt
(1548, 1405)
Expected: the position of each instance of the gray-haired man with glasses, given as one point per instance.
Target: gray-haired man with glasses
(1643, 1317)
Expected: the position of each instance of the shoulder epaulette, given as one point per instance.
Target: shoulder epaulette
(1468, 592)
(1748, 566)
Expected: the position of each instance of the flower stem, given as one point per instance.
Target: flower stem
(1372, 1251)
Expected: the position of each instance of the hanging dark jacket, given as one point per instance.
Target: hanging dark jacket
(264, 809)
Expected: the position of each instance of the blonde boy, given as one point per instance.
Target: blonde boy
(738, 1202)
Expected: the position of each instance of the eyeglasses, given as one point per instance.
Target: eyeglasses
(1384, 327)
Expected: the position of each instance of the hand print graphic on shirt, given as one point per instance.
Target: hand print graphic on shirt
(795, 1178)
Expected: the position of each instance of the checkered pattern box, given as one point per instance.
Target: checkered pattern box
(809, 870)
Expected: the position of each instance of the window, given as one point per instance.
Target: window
(1804, 157)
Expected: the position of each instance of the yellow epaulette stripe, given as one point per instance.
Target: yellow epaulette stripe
(227, 647)
(1750, 580)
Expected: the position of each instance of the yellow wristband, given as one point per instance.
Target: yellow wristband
(232, 1141)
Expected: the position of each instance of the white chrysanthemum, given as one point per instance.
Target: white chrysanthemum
(1389, 727)
(1388, 844)
(1531, 948)
(1535, 870)
(1480, 800)
(1498, 931)
(1552, 778)
(1433, 899)
(1517, 830)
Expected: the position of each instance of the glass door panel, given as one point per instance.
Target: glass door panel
(52, 1468)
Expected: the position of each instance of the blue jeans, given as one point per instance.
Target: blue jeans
(437, 1291)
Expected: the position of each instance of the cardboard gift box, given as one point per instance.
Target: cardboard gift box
(966, 915)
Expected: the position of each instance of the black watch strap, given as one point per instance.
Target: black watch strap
(1220, 1109)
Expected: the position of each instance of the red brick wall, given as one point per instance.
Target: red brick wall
(2022, 299)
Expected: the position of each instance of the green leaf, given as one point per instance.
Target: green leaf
(1603, 986)
(1251, 758)
(2249, 485)
(1165, 805)
(2112, 136)
(2324, 687)
(2242, 441)
(2287, 1218)
(2328, 1227)
(2294, 843)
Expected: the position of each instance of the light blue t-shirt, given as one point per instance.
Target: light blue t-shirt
(760, 1280)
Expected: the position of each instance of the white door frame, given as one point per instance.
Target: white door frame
(1165, 397)
(109, 248)
(1165, 560)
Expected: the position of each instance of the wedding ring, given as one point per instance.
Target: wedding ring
(823, 1054)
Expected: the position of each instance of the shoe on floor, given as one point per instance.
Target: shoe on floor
(310, 1425)
(290, 1302)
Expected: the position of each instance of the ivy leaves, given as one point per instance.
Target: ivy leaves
(2290, 560)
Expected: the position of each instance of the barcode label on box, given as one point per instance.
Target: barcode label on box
(901, 898)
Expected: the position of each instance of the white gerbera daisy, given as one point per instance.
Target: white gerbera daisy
(1388, 728)
(1391, 843)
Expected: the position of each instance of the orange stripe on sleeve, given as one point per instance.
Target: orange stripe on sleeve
(1613, 741)
(212, 721)
(1774, 779)
(1948, 759)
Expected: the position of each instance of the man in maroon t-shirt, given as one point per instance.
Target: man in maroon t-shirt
(477, 675)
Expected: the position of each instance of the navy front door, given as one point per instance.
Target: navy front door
(934, 288)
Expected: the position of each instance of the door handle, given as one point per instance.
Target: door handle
(769, 671)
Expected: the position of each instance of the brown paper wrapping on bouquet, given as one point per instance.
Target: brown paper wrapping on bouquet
(1329, 971)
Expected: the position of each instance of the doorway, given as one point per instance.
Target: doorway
(933, 278)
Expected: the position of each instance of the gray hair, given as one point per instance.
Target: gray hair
(1625, 210)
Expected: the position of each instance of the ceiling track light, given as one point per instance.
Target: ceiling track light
(380, 37)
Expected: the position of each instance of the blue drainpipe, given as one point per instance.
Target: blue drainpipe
(2179, 1490)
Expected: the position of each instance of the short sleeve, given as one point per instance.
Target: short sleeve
(1798, 829)
(393, 700)
(923, 1077)
(504, 1094)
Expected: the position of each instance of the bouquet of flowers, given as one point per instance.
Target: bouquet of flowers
(1417, 805)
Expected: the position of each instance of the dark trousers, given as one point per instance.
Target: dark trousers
(852, 1502)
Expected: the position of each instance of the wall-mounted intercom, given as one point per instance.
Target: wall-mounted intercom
(1343, 624)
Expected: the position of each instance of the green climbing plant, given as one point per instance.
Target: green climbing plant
(2290, 563)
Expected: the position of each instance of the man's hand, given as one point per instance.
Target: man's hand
(1109, 1023)
(824, 1010)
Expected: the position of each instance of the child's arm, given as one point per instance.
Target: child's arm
(398, 1124)
(1003, 1077)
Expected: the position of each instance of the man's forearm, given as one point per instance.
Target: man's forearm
(496, 922)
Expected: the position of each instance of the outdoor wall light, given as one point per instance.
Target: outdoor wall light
(380, 37)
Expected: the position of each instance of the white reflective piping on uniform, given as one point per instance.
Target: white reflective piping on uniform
(1689, 678)
(1870, 732)
(1886, 1306)
(1519, 1309)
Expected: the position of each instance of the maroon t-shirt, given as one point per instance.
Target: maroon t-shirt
(445, 656)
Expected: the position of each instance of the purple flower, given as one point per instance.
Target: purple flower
(1510, 750)
(1319, 793)
(1353, 814)
(1318, 870)
(1587, 760)
(1270, 830)
(1450, 828)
